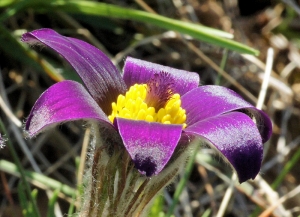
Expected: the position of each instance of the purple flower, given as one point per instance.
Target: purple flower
(151, 106)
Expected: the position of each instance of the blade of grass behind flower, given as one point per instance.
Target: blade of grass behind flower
(79, 172)
(12, 8)
(22, 53)
(27, 206)
(11, 47)
(157, 207)
(200, 32)
(72, 205)
(51, 203)
(287, 168)
(222, 66)
(88, 7)
(108, 10)
(34, 194)
(44, 64)
(38, 179)
(203, 33)
(29, 57)
(206, 213)
(23, 200)
(19, 169)
(184, 179)
(5, 3)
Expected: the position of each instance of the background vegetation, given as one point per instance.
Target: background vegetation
(42, 177)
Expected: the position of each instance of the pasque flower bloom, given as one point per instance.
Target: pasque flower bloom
(152, 107)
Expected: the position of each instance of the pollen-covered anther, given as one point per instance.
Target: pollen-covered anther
(132, 105)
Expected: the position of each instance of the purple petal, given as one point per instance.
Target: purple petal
(140, 72)
(150, 145)
(236, 137)
(64, 101)
(97, 72)
(211, 100)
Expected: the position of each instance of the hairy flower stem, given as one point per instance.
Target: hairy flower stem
(114, 187)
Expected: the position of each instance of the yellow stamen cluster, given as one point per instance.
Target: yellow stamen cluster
(132, 106)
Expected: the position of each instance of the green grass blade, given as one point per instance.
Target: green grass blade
(79, 192)
(43, 181)
(12, 47)
(23, 200)
(12, 8)
(72, 206)
(26, 205)
(6, 3)
(51, 203)
(108, 10)
(222, 66)
(183, 181)
(286, 169)
(202, 33)
(24, 54)
(206, 213)
(31, 208)
(157, 207)
(20, 170)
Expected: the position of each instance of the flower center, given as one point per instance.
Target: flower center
(141, 102)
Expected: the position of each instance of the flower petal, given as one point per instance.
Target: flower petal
(64, 101)
(100, 76)
(149, 144)
(140, 72)
(211, 100)
(236, 137)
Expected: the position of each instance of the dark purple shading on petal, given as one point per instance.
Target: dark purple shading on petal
(140, 72)
(150, 145)
(208, 101)
(100, 76)
(237, 138)
(64, 101)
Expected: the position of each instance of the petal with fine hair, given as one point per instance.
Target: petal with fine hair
(149, 144)
(63, 101)
(1, 142)
(100, 76)
(140, 72)
(237, 138)
(208, 101)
